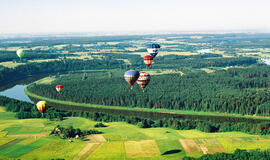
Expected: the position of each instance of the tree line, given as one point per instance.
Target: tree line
(27, 110)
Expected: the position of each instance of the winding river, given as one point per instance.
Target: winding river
(16, 92)
(15, 89)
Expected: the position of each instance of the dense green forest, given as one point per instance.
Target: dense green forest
(236, 90)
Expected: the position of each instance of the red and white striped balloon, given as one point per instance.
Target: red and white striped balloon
(143, 80)
(148, 60)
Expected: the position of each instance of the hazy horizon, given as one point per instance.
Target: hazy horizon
(29, 16)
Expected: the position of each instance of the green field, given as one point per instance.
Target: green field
(7, 115)
(10, 64)
(29, 139)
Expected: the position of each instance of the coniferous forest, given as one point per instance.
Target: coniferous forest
(236, 90)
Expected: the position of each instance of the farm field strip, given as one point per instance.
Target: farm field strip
(112, 150)
(230, 144)
(145, 148)
(189, 145)
(12, 142)
(43, 134)
(56, 148)
(95, 138)
(17, 150)
(87, 151)
(18, 129)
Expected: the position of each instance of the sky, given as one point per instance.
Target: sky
(44, 16)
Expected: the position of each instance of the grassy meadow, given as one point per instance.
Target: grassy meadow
(29, 139)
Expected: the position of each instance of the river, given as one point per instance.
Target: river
(16, 92)
(15, 89)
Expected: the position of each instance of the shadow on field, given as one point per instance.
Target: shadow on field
(171, 151)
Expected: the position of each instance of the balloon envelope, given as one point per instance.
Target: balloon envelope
(42, 106)
(59, 87)
(20, 53)
(143, 80)
(153, 49)
(131, 76)
(148, 60)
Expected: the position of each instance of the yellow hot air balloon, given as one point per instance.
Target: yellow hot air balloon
(42, 106)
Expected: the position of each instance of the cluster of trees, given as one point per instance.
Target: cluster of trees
(100, 124)
(238, 154)
(71, 132)
(237, 90)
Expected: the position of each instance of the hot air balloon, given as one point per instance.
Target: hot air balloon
(153, 49)
(20, 53)
(59, 88)
(143, 80)
(131, 77)
(42, 106)
(148, 60)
